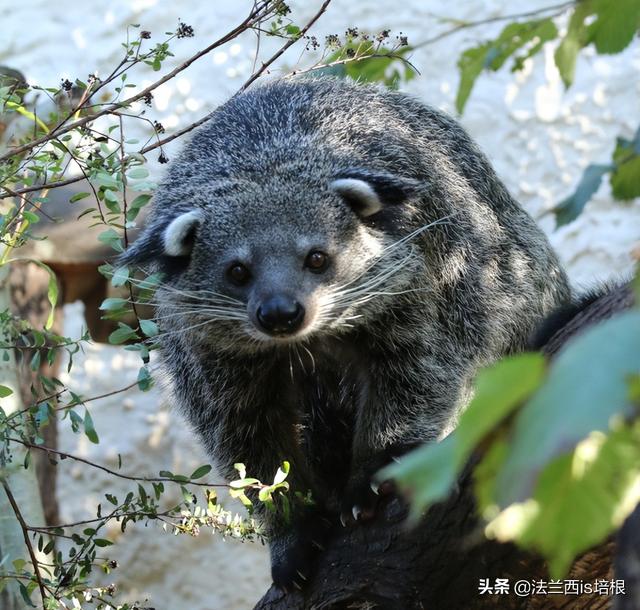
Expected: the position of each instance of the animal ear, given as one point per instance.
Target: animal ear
(159, 241)
(180, 233)
(369, 192)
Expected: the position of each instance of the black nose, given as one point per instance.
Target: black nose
(280, 315)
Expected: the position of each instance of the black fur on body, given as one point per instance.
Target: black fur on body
(434, 270)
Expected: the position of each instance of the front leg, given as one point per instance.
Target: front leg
(296, 535)
(399, 413)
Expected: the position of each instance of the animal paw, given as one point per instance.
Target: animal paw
(293, 556)
(362, 495)
(291, 574)
(360, 500)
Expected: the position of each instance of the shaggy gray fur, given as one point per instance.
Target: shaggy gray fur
(449, 276)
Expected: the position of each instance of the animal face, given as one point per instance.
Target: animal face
(269, 264)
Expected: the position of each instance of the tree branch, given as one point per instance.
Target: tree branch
(64, 455)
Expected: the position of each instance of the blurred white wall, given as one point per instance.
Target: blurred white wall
(538, 136)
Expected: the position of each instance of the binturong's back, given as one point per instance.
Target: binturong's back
(339, 260)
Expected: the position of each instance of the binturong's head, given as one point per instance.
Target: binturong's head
(254, 262)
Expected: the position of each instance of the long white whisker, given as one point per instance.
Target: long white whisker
(342, 295)
(398, 243)
(313, 360)
(200, 294)
(184, 330)
(202, 311)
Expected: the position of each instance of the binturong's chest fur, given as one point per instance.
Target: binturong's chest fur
(325, 386)
(338, 260)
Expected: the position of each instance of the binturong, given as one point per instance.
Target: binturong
(339, 260)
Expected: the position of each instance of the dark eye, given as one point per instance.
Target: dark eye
(238, 274)
(316, 261)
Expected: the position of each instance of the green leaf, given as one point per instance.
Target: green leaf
(470, 65)
(51, 603)
(111, 238)
(30, 217)
(136, 205)
(25, 595)
(5, 391)
(580, 499)
(282, 473)
(198, 473)
(145, 381)
(575, 39)
(138, 172)
(122, 334)
(527, 37)
(429, 473)
(120, 276)
(625, 179)
(113, 303)
(107, 181)
(76, 420)
(89, 429)
(149, 328)
(571, 207)
(616, 25)
(102, 542)
(581, 395)
(79, 196)
(242, 483)
(242, 470)
(292, 30)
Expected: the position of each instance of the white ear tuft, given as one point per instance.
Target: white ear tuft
(179, 229)
(359, 194)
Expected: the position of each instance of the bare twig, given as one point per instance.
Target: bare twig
(284, 47)
(558, 8)
(64, 455)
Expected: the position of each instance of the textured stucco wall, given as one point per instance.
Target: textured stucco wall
(538, 136)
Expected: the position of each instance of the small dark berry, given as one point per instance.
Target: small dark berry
(145, 34)
(332, 41)
(66, 84)
(184, 31)
(162, 158)
(159, 127)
